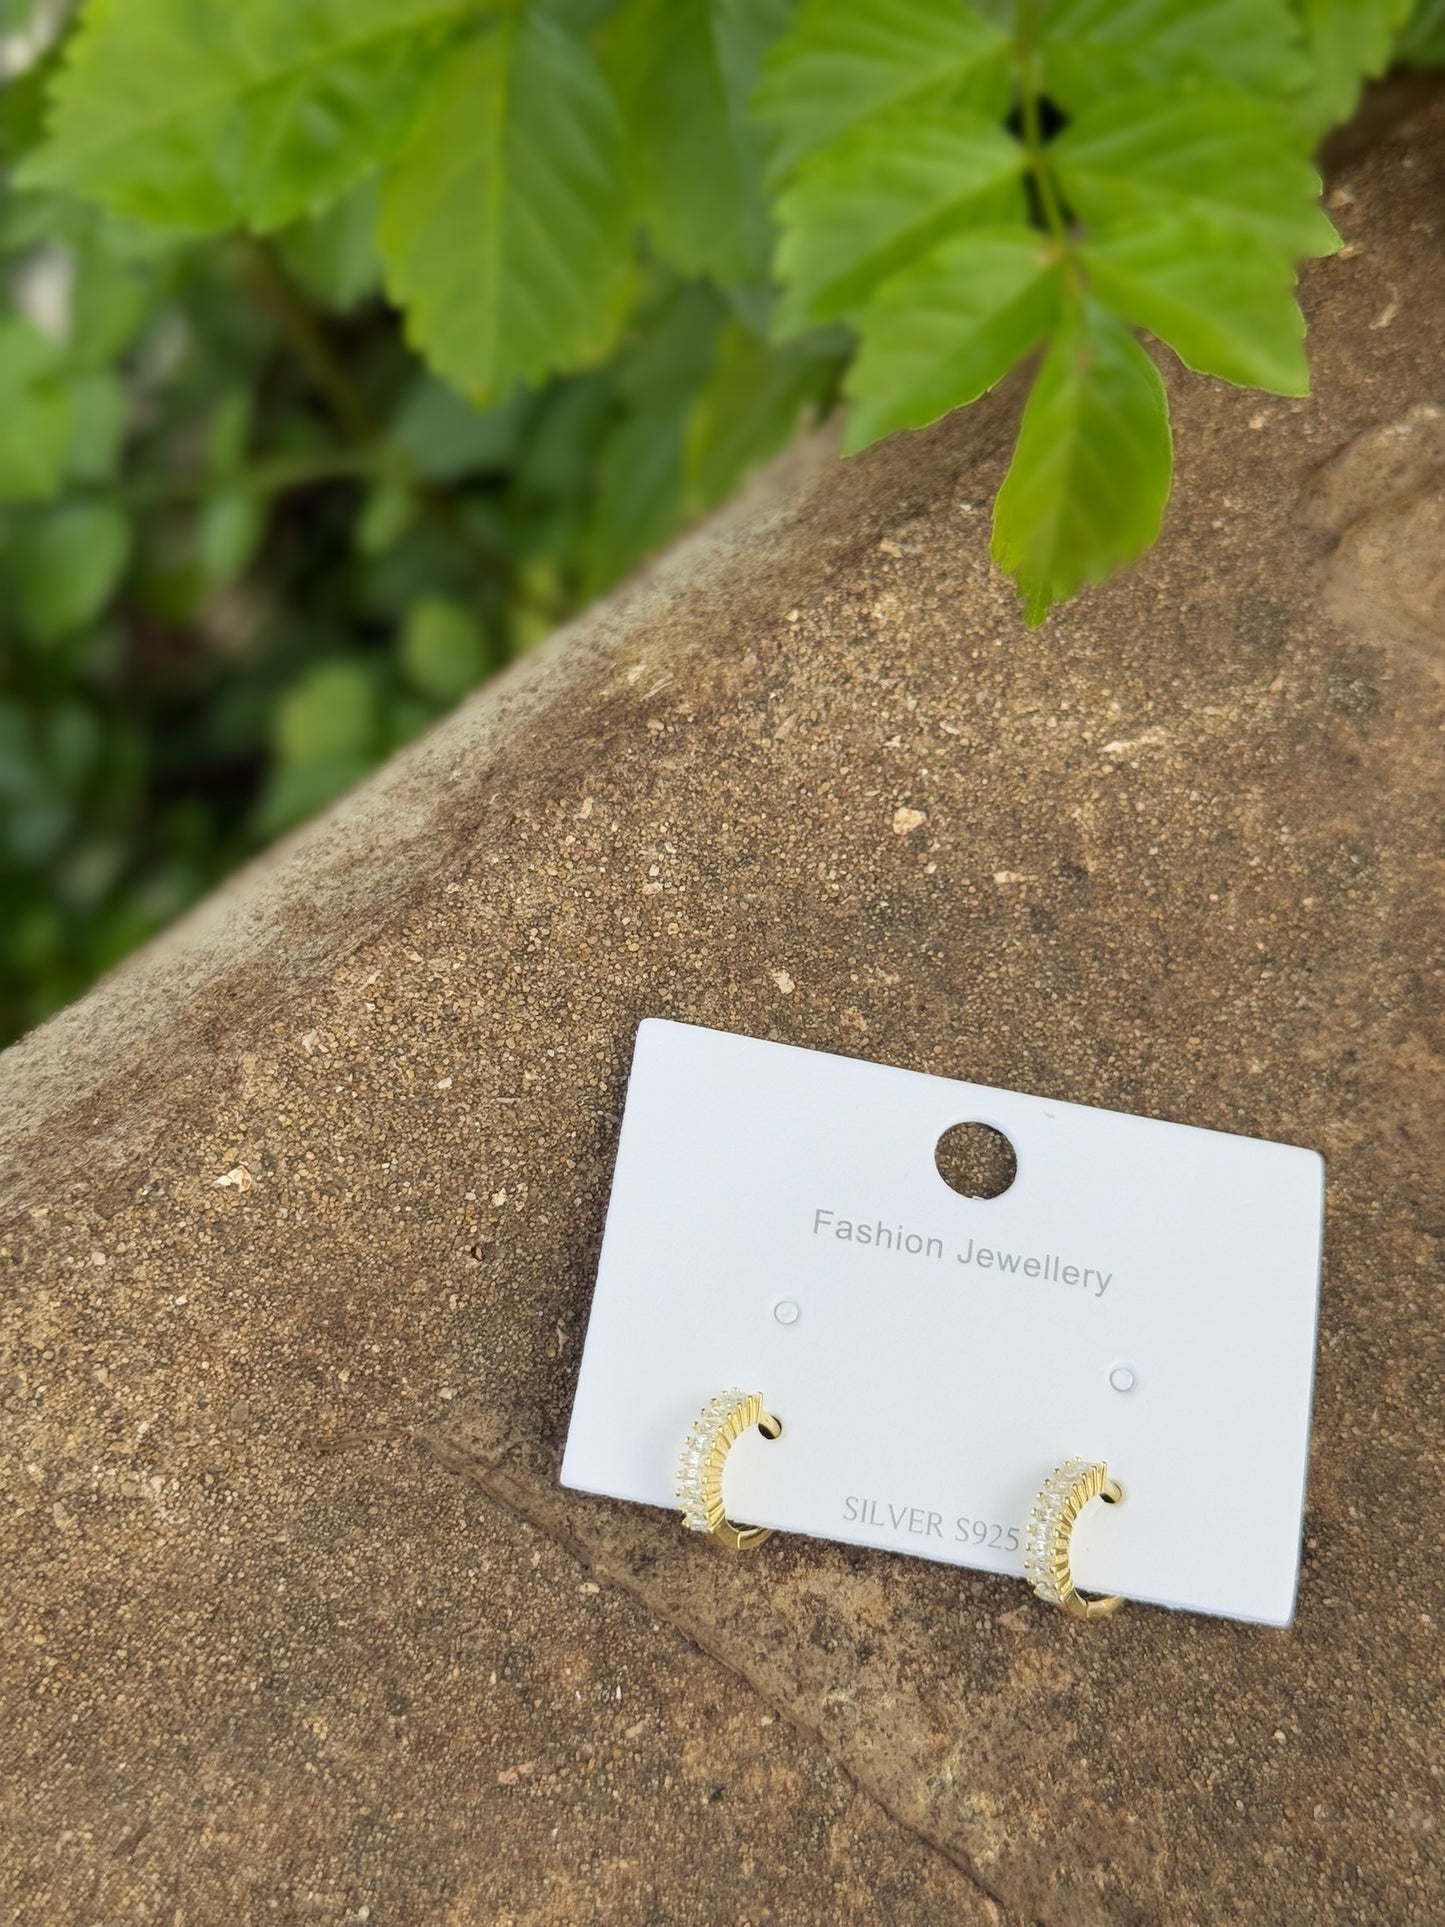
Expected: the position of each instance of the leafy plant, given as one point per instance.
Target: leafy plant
(960, 185)
(345, 347)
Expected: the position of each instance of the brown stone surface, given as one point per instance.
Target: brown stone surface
(304, 1205)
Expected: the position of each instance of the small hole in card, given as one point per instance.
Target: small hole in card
(975, 1160)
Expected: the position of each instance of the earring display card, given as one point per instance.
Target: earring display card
(1143, 1293)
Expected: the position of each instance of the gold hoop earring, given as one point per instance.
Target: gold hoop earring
(700, 1470)
(1051, 1525)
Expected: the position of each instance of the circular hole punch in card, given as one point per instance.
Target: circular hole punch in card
(1142, 1293)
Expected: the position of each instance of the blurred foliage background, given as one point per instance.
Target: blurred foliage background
(249, 545)
(280, 547)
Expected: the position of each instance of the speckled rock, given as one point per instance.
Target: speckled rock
(303, 1206)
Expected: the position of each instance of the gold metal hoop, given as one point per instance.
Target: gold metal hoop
(700, 1470)
(1051, 1525)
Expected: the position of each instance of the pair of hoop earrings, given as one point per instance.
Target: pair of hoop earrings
(1047, 1564)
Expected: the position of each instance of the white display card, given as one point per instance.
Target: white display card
(1143, 1293)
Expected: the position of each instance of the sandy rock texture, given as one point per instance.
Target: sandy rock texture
(302, 1207)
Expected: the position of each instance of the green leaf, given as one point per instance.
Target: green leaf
(846, 60)
(639, 473)
(445, 437)
(443, 652)
(35, 414)
(880, 195)
(695, 153)
(1422, 44)
(334, 254)
(114, 268)
(88, 872)
(200, 114)
(1349, 41)
(407, 716)
(65, 568)
(941, 333)
(35, 217)
(296, 791)
(672, 355)
(37, 833)
(111, 298)
(72, 740)
(329, 715)
(23, 99)
(229, 529)
(1212, 154)
(1086, 489)
(1225, 305)
(99, 407)
(528, 622)
(505, 226)
(1094, 49)
(228, 432)
(753, 403)
(568, 423)
(19, 771)
(389, 511)
(641, 495)
(35, 942)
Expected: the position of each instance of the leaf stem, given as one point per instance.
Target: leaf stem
(273, 292)
(275, 477)
(1028, 59)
